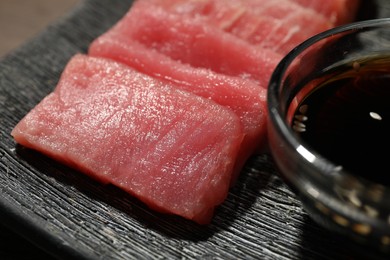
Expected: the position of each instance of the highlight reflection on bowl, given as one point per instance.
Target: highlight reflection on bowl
(329, 128)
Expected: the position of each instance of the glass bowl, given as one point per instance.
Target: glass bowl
(351, 198)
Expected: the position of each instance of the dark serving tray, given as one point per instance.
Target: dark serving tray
(70, 216)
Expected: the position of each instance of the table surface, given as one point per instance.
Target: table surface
(20, 20)
(261, 216)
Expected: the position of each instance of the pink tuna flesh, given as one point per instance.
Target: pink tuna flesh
(277, 25)
(337, 11)
(194, 42)
(244, 97)
(173, 150)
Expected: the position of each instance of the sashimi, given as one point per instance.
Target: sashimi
(194, 42)
(244, 97)
(278, 35)
(278, 25)
(173, 150)
(292, 24)
(337, 11)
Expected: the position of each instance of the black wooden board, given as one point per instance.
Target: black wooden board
(70, 216)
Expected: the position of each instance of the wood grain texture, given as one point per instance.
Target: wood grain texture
(72, 217)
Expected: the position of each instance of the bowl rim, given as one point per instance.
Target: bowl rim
(275, 114)
(291, 142)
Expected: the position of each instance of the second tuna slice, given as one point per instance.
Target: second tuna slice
(173, 150)
(194, 42)
(276, 25)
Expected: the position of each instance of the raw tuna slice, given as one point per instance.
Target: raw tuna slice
(278, 35)
(173, 150)
(244, 97)
(194, 42)
(337, 11)
(277, 25)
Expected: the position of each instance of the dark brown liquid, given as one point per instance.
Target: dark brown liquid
(347, 118)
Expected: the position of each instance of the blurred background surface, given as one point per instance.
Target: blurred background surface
(20, 20)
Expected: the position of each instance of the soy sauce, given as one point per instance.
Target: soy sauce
(346, 118)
